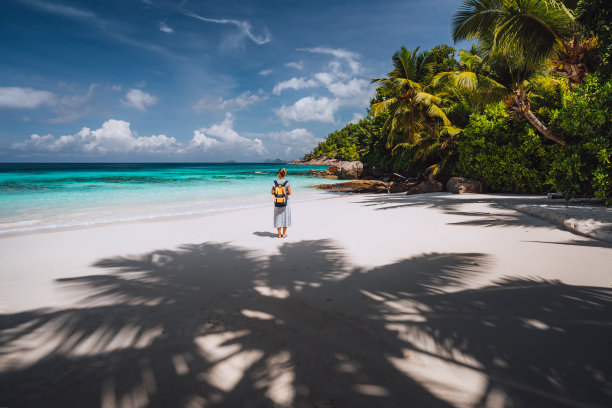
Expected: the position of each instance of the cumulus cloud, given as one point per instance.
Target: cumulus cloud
(266, 72)
(164, 27)
(222, 137)
(135, 98)
(342, 79)
(115, 136)
(25, 98)
(294, 83)
(241, 101)
(351, 89)
(309, 109)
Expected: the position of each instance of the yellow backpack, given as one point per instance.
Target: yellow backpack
(280, 194)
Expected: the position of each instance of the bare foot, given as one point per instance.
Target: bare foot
(284, 235)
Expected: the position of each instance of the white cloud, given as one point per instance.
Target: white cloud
(135, 98)
(115, 136)
(72, 107)
(164, 27)
(223, 138)
(244, 27)
(108, 27)
(294, 83)
(59, 9)
(266, 72)
(241, 101)
(26, 98)
(117, 88)
(216, 142)
(351, 89)
(298, 141)
(356, 118)
(343, 81)
(340, 54)
(297, 65)
(309, 108)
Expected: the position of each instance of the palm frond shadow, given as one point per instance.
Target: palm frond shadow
(453, 204)
(218, 325)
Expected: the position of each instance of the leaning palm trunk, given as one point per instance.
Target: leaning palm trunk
(522, 106)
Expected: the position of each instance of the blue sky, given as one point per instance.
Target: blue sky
(160, 80)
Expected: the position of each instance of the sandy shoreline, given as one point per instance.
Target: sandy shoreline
(374, 300)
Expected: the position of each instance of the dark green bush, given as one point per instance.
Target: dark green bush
(584, 166)
(503, 152)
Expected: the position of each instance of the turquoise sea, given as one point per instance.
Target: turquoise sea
(50, 196)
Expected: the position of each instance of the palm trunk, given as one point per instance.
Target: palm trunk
(524, 108)
(541, 127)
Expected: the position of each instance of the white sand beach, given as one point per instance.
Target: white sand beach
(372, 301)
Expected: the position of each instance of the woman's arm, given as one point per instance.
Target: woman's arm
(288, 189)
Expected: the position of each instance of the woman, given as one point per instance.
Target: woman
(282, 214)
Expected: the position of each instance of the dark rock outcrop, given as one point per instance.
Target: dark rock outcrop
(460, 185)
(347, 170)
(357, 186)
(401, 186)
(428, 186)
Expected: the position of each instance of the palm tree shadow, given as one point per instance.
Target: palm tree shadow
(218, 325)
(502, 214)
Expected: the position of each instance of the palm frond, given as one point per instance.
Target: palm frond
(426, 99)
(434, 111)
(380, 107)
(534, 28)
(475, 18)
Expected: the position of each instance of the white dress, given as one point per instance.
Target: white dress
(282, 215)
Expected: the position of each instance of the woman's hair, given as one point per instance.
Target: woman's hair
(282, 173)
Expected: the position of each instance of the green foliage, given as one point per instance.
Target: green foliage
(546, 93)
(596, 17)
(584, 166)
(440, 58)
(340, 144)
(503, 152)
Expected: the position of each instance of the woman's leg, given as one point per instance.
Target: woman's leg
(284, 231)
(279, 232)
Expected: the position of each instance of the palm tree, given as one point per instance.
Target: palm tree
(473, 80)
(536, 30)
(520, 36)
(413, 113)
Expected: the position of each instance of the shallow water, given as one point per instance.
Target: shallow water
(49, 196)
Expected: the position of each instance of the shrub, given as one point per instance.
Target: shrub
(503, 152)
(585, 121)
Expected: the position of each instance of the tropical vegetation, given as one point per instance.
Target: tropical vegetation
(528, 108)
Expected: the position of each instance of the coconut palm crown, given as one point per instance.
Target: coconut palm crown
(413, 112)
